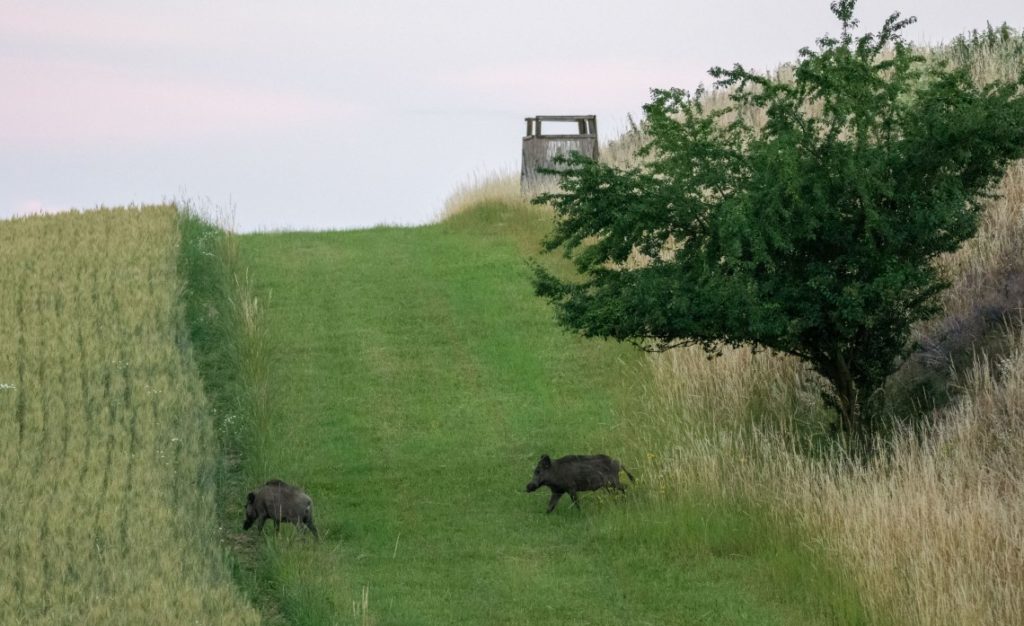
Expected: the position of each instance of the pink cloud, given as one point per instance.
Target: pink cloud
(145, 25)
(33, 206)
(30, 207)
(575, 84)
(71, 101)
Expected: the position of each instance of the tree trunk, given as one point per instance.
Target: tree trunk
(846, 394)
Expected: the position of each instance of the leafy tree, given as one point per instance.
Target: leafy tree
(813, 234)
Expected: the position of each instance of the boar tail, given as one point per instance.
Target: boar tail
(628, 474)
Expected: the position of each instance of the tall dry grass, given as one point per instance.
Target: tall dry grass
(931, 529)
(108, 450)
(502, 186)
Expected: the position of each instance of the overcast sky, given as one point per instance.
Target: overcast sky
(324, 115)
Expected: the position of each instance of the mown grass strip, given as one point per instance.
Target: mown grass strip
(414, 383)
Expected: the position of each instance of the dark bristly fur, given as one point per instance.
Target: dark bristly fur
(575, 473)
(281, 502)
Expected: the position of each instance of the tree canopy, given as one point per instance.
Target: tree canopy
(813, 233)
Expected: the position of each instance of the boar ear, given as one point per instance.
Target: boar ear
(545, 461)
(251, 497)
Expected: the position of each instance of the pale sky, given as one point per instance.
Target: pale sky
(327, 115)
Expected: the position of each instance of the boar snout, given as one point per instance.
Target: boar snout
(539, 474)
(250, 511)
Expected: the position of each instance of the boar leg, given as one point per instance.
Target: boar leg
(575, 500)
(259, 525)
(553, 502)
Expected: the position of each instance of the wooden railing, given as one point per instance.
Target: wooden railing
(540, 150)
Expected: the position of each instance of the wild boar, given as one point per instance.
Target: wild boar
(281, 502)
(574, 473)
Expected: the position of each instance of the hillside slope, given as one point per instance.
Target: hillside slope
(415, 382)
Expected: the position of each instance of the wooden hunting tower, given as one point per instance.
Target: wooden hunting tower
(539, 150)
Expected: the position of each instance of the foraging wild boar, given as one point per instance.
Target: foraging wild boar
(281, 502)
(574, 473)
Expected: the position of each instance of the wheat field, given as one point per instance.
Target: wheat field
(109, 455)
(108, 451)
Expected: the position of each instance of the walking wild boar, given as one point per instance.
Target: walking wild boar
(281, 502)
(574, 473)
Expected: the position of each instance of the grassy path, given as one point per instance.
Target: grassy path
(416, 381)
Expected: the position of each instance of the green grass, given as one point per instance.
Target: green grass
(413, 382)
